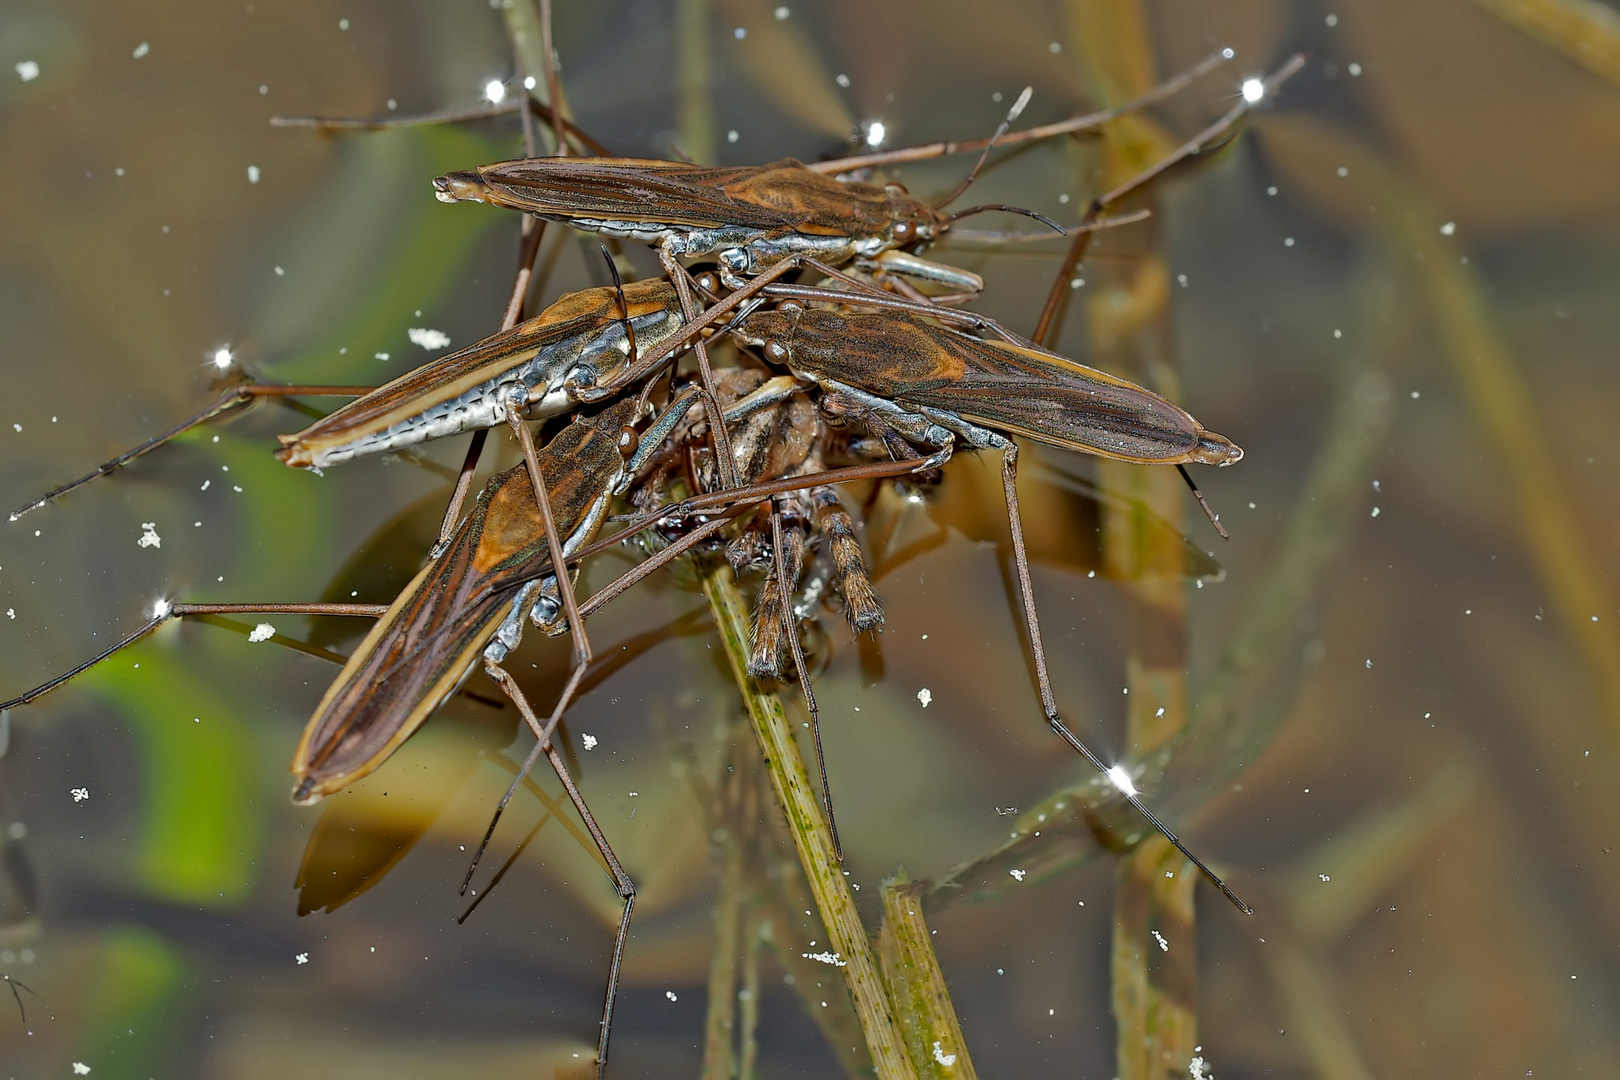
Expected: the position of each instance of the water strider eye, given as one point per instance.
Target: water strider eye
(629, 439)
(791, 306)
(904, 231)
(709, 281)
(777, 351)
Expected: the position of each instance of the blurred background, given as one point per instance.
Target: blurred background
(1389, 716)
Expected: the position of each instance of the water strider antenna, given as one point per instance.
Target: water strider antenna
(1012, 114)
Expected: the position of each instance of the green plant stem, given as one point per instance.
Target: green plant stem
(917, 986)
(811, 837)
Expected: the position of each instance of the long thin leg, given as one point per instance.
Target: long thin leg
(621, 880)
(514, 103)
(1214, 519)
(791, 629)
(1071, 126)
(1009, 481)
(608, 592)
(232, 398)
(565, 582)
(175, 611)
(1190, 148)
(576, 630)
(534, 230)
(719, 441)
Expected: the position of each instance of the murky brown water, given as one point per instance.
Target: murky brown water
(1396, 292)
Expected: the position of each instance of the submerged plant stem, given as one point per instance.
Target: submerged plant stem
(811, 837)
(917, 986)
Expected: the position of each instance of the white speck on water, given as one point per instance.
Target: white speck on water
(1253, 90)
(1181, 279)
(11, 613)
(280, 272)
(149, 536)
(118, 171)
(27, 71)
(80, 794)
(17, 428)
(392, 104)
(925, 695)
(843, 80)
(1332, 20)
(253, 174)
(782, 13)
(223, 357)
(1338, 334)
(589, 741)
(1164, 946)
(732, 136)
(1369, 662)
(1054, 48)
(495, 91)
(1288, 241)
(1160, 712)
(302, 958)
(1324, 877)
(80, 1069)
(428, 339)
(1375, 512)
(381, 355)
(263, 89)
(236, 487)
(343, 24)
(825, 957)
(740, 33)
(1018, 875)
(941, 1056)
(1121, 779)
(1198, 1068)
(671, 995)
(1354, 69)
(263, 632)
(1343, 171)
(1064, 198)
(142, 49)
(1271, 190)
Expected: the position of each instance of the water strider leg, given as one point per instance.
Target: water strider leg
(791, 629)
(565, 580)
(1009, 482)
(534, 230)
(621, 881)
(719, 441)
(176, 611)
(234, 397)
(1191, 148)
(513, 104)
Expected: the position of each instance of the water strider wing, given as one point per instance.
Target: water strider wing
(459, 392)
(430, 637)
(617, 189)
(1027, 391)
(1013, 389)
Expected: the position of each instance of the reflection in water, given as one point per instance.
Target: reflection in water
(1391, 720)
